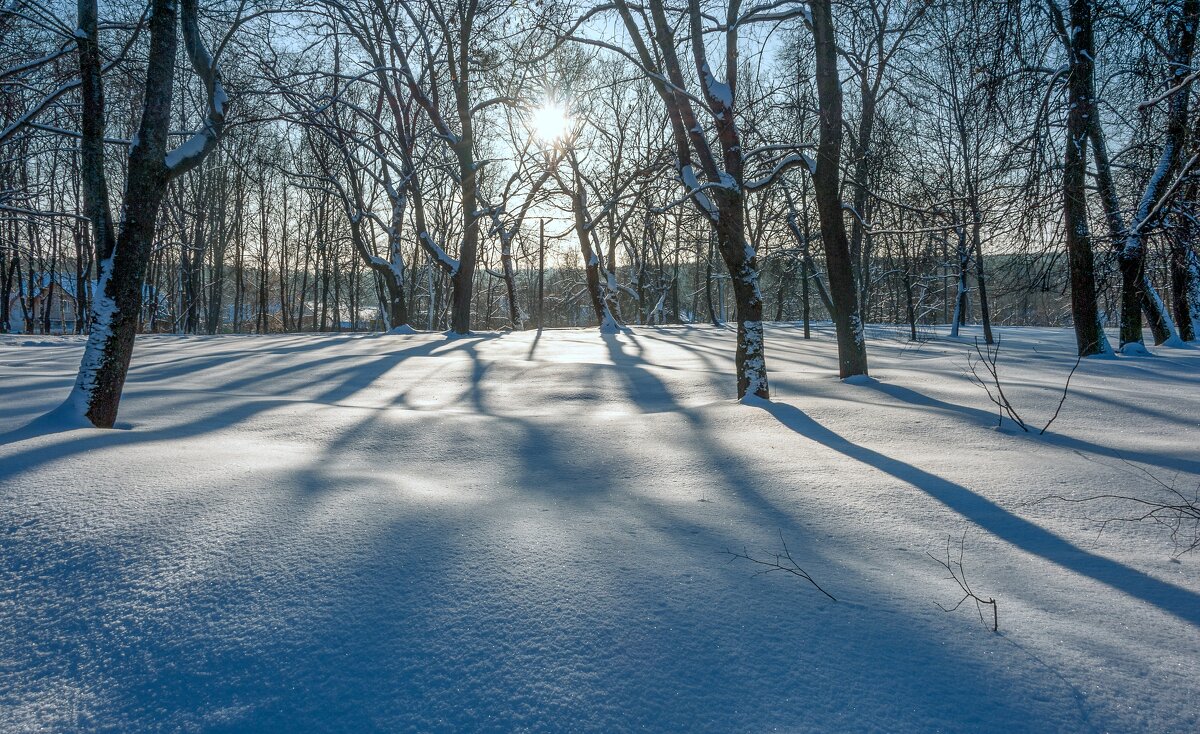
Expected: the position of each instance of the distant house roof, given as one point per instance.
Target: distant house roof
(43, 281)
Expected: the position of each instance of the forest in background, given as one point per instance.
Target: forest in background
(337, 165)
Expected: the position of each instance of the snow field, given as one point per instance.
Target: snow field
(524, 532)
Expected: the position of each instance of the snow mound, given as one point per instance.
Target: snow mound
(1135, 349)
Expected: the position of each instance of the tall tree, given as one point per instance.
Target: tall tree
(827, 185)
(1089, 335)
(123, 259)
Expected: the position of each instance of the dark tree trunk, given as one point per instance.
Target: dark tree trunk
(192, 261)
(852, 348)
(1185, 283)
(7, 269)
(1138, 295)
(1089, 336)
(118, 297)
(119, 291)
(782, 271)
(1185, 269)
(985, 313)
(510, 288)
(962, 300)
(708, 279)
(591, 256)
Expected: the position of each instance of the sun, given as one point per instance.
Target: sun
(550, 122)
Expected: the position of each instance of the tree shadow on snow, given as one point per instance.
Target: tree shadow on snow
(1021, 533)
(912, 397)
(342, 377)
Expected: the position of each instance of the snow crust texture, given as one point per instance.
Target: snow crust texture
(524, 532)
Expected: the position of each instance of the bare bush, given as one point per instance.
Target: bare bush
(1164, 504)
(988, 358)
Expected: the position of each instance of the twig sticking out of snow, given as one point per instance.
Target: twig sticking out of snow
(779, 562)
(989, 357)
(959, 575)
(1177, 512)
(1063, 399)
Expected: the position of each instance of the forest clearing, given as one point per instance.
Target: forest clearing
(528, 531)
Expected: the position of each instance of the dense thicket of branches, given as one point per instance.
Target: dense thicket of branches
(387, 162)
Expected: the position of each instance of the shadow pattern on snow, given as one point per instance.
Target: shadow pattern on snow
(1023, 534)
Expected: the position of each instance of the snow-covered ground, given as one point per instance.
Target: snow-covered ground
(523, 532)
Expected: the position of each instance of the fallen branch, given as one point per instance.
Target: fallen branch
(1177, 512)
(782, 562)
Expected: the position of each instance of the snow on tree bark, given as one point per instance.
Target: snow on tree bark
(117, 300)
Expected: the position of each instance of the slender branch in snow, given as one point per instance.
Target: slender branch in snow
(779, 562)
(958, 574)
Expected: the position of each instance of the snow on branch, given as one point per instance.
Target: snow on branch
(433, 248)
(35, 63)
(786, 163)
(25, 118)
(695, 191)
(31, 113)
(772, 12)
(650, 73)
(1178, 86)
(194, 149)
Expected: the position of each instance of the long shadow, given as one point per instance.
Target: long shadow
(479, 368)
(534, 345)
(741, 478)
(352, 381)
(162, 368)
(417, 350)
(437, 628)
(25, 461)
(912, 397)
(646, 390)
(988, 515)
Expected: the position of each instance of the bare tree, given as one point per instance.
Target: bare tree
(1089, 335)
(123, 257)
(827, 182)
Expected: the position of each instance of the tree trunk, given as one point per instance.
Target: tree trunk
(1089, 336)
(1185, 282)
(743, 272)
(591, 258)
(852, 348)
(118, 296)
(962, 303)
(1138, 295)
(6, 281)
(985, 313)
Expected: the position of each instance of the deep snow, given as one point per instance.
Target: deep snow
(524, 532)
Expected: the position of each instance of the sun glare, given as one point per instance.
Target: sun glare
(550, 122)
